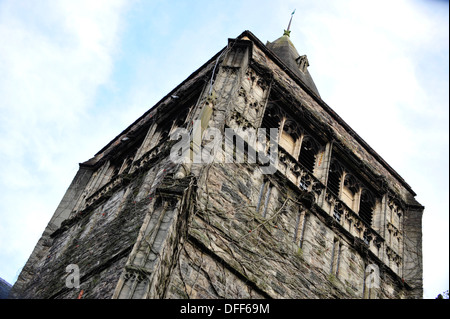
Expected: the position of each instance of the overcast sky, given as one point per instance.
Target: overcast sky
(74, 74)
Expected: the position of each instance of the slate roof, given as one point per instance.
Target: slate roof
(286, 51)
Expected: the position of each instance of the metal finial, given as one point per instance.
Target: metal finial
(288, 31)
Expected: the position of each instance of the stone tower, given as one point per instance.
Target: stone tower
(195, 199)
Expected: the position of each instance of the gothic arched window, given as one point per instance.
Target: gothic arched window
(334, 178)
(289, 136)
(272, 117)
(366, 206)
(308, 153)
(349, 191)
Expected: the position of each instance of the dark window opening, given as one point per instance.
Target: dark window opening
(116, 170)
(308, 154)
(165, 131)
(334, 178)
(366, 206)
(271, 118)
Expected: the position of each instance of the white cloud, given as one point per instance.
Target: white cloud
(379, 65)
(53, 58)
(383, 67)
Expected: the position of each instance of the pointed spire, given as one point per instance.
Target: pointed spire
(288, 54)
(288, 31)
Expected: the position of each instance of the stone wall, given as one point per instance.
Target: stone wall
(138, 225)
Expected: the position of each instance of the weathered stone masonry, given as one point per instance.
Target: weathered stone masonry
(140, 226)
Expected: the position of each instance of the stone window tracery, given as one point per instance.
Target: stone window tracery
(334, 178)
(292, 137)
(308, 153)
(289, 137)
(350, 191)
(366, 206)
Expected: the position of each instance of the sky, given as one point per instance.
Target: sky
(74, 74)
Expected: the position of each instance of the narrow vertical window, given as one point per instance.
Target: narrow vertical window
(289, 136)
(261, 194)
(334, 178)
(300, 228)
(266, 201)
(302, 234)
(271, 117)
(366, 206)
(335, 257)
(349, 191)
(308, 152)
(297, 225)
(264, 197)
